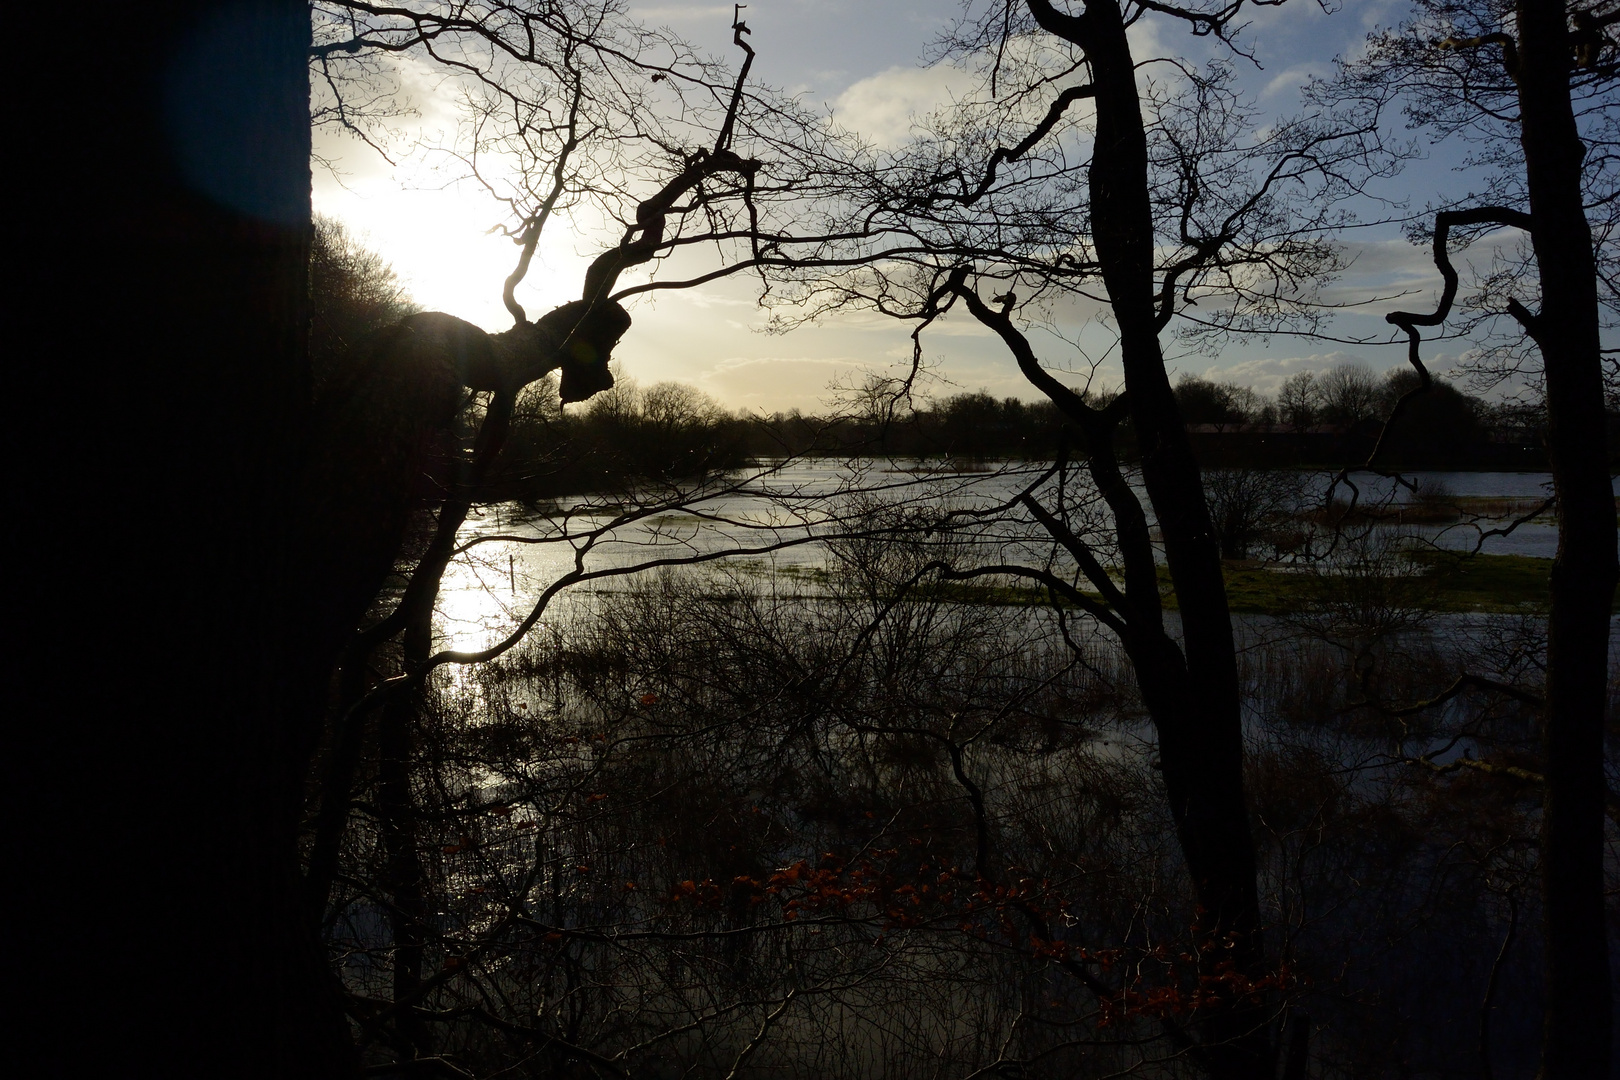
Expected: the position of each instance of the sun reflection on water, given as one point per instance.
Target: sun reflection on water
(481, 600)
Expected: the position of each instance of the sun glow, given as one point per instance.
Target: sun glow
(439, 243)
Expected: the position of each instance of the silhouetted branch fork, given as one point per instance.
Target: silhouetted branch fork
(350, 46)
(1444, 222)
(1460, 684)
(769, 242)
(1504, 530)
(1080, 551)
(537, 221)
(1097, 426)
(1588, 41)
(739, 28)
(1002, 507)
(1510, 48)
(651, 218)
(1072, 404)
(1207, 249)
(652, 214)
(1003, 155)
(507, 27)
(429, 26)
(1097, 610)
(341, 106)
(1206, 23)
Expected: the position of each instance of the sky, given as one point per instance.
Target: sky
(862, 60)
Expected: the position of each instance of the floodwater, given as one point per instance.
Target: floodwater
(772, 521)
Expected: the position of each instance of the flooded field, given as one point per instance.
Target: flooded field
(774, 521)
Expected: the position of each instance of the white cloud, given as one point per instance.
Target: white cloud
(669, 13)
(882, 106)
(709, 298)
(1266, 373)
(1290, 79)
(1394, 274)
(770, 383)
(1145, 41)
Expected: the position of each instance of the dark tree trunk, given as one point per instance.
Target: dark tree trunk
(402, 878)
(1578, 1019)
(399, 740)
(1194, 699)
(1201, 736)
(162, 751)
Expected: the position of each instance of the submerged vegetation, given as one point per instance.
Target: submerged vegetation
(702, 826)
(1434, 581)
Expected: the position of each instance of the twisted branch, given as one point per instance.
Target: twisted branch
(653, 213)
(1409, 321)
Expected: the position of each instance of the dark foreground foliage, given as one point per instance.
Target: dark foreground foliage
(705, 828)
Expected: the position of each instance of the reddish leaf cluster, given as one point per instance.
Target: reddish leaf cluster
(1164, 981)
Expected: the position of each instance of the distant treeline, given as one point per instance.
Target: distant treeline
(671, 431)
(1328, 419)
(625, 436)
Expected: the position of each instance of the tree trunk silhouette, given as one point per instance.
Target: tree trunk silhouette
(165, 758)
(1578, 1018)
(1193, 698)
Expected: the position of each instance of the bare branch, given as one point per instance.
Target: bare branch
(1409, 321)
(1510, 49)
(1003, 155)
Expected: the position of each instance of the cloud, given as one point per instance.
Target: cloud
(769, 383)
(678, 12)
(710, 298)
(1290, 79)
(1403, 276)
(1266, 373)
(1145, 40)
(1381, 12)
(882, 106)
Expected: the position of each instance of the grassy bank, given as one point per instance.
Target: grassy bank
(1438, 582)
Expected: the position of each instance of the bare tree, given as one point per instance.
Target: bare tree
(1246, 504)
(1348, 394)
(1532, 85)
(1060, 181)
(1299, 400)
